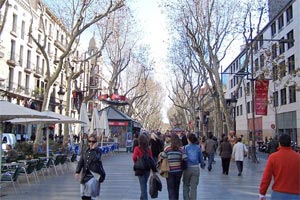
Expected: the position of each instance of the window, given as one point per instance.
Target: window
(275, 73)
(50, 30)
(57, 35)
(281, 46)
(291, 64)
(256, 64)
(43, 67)
(241, 109)
(274, 51)
(248, 88)
(255, 46)
(290, 36)
(273, 29)
(23, 30)
(21, 55)
(292, 94)
(14, 25)
(280, 22)
(19, 79)
(248, 107)
(28, 59)
(49, 48)
(261, 40)
(275, 99)
(262, 60)
(38, 64)
(39, 39)
(13, 50)
(240, 92)
(62, 39)
(289, 14)
(237, 111)
(282, 69)
(283, 96)
(27, 81)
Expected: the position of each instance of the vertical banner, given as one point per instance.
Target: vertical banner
(261, 97)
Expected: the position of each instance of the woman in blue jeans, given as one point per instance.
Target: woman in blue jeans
(143, 175)
(175, 154)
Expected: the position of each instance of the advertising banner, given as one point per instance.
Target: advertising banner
(261, 97)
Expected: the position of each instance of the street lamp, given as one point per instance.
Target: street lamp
(233, 102)
(61, 92)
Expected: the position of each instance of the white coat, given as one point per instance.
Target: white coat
(238, 151)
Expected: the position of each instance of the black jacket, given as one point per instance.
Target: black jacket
(155, 186)
(90, 160)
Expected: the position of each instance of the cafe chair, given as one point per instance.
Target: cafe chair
(28, 170)
(11, 177)
(71, 160)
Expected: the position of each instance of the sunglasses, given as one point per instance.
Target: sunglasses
(92, 141)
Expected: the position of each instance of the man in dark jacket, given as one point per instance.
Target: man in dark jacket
(273, 145)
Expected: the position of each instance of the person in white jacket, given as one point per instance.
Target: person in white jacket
(238, 152)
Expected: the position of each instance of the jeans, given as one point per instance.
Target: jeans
(173, 184)
(210, 160)
(143, 185)
(280, 195)
(239, 165)
(190, 179)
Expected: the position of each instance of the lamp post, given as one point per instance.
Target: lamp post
(233, 102)
(61, 92)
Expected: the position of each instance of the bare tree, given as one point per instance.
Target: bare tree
(3, 20)
(211, 27)
(80, 17)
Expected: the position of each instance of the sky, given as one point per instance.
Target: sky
(155, 33)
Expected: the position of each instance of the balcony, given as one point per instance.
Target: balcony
(11, 62)
(59, 45)
(37, 73)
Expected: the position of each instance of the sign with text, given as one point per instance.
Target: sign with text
(261, 97)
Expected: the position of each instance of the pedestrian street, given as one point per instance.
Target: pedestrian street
(121, 184)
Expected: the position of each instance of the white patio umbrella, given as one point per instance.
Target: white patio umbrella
(95, 123)
(9, 111)
(104, 125)
(58, 119)
(83, 116)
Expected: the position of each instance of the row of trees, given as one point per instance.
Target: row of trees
(204, 33)
(127, 62)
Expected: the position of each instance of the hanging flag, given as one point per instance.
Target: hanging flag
(261, 97)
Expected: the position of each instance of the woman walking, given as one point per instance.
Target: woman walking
(143, 175)
(191, 174)
(175, 155)
(225, 153)
(92, 172)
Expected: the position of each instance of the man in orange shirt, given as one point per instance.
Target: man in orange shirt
(284, 166)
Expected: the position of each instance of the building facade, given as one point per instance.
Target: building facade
(276, 53)
(22, 64)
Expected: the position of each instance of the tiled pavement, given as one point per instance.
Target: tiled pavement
(121, 184)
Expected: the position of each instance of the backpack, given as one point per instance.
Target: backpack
(142, 163)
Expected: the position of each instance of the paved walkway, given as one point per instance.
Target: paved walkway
(121, 184)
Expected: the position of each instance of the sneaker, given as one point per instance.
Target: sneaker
(239, 174)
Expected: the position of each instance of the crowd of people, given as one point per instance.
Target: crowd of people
(180, 147)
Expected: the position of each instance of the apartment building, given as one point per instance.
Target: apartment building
(276, 53)
(22, 65)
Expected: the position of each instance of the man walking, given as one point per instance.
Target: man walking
(283, 166)
(210, 148)
(238, 152)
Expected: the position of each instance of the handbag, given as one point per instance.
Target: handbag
(163, 166)
(245, 152)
